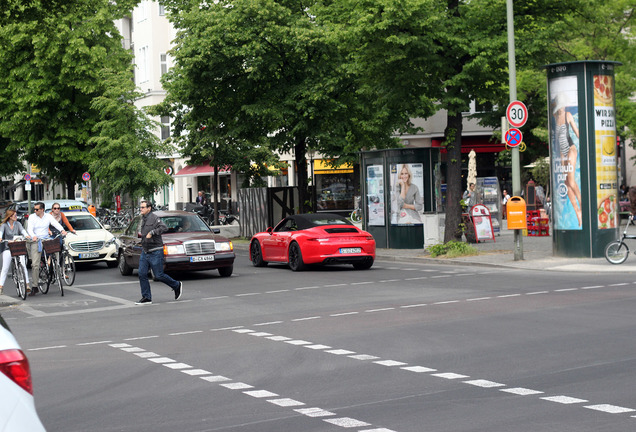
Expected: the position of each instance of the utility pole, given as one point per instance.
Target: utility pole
(512, 80)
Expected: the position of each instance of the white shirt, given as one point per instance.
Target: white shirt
(39, 226)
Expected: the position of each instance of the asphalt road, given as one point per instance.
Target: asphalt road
(401, 347)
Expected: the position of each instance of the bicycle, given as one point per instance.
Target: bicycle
(18, 249)
(67, 265)
(356, 215)
(616, 252)
(50, 270)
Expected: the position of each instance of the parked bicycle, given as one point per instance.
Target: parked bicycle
(356, 214)
(617, 251)
(67, 264)
(18, 249)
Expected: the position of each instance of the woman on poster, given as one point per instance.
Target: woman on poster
(409, 200)
(564, 121)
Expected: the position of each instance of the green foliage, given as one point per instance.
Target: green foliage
(452, 249)
(541, 173)
(51, 57)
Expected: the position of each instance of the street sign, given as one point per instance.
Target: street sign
(27, 177)
(514, 137)
(517, 114)
(168, 170)
(86, 176)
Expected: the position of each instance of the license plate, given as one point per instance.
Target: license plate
(202, 258)
(350, 250)
(89, 255)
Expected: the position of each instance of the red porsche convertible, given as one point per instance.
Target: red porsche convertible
(314, 238)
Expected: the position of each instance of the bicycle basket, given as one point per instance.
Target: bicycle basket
(18, 248)
(52, 246)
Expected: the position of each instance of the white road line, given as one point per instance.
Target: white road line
(389, 363)
(564, 399)
(161, 360)
(215, 298)
(299, 342)
(362, 283)
(343, 314)
(260, 393)
(285, 402)
(306, 288)
(236, 386)
(119, 300)
(484, 383)
(227, 328)
(537, 292)
(377, 430)
(93, 343)
(276, 291)
(389, 280)
(141, 338)
(215, 378)
(247, 294)
(177, 366)
(593, 287)
(314, 412)
(185, 333)
(278, 338)
(267, 323)
(446, 302)
(340, 352)
(306, 318)
(346, 422)
(440, 276)
(242, 330)
(147, 354)
(334, 285)
(133, 349)
(363, 357)
(418, 369)
(566, 289)
(196, 372)
(449, 375)
(618, 284)
(479, 299)
(521, 391)
(611, 409)
(317, 347)
(416, 278)
(413, 305)
(47, 348)
(260, 334)
(508, 295)
(380, 309)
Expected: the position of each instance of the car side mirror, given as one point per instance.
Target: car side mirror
(107, 227)
(216, 230)
(269, 230)
(138, 234)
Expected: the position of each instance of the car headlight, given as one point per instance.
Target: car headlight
(173, 250)
(224, 246)
(110, 242)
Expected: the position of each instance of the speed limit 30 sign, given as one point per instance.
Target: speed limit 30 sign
(517, 114)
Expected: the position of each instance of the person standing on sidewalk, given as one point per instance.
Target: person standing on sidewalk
(152, 255)
(38, 226)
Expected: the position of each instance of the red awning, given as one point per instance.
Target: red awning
(201, 170)
(479, 144)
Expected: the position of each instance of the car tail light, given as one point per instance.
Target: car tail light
(14, 364)
(369, 237)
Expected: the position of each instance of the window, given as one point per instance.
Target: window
(165, 128)
(141, 11)
(162, 10)
(163, 63)
(142, 64)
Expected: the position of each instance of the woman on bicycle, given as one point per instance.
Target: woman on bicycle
(9, 229)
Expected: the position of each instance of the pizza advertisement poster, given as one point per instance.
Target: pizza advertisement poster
(605, 152)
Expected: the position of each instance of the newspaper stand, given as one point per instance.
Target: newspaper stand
(482, 223)
(537, 226)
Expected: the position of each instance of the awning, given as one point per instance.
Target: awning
(479, 144)
(201, 170)
(321, 166)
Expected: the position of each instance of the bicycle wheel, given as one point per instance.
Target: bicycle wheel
(44, 280)
(20, 276)
(356, 216)
(56, 272)
(68, 268)
(14, 274)
(616, 252)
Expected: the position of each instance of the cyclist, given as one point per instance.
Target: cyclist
(38, 228)
(61, 219)
(8, 230)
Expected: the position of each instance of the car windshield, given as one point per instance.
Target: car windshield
(184, 223)
(82, 223)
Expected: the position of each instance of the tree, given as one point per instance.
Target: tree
(124, 148)
(51, 58)
(271, 74)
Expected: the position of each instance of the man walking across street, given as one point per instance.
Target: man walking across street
(38, 228)
(152, 255)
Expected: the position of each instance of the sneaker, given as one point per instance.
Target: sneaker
(144, 301)
(178, 291)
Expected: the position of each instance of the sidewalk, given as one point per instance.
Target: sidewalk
(537, 255)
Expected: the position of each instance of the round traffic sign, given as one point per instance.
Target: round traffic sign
(514, 137)
(168, 170)
(517, 114)
(86, 176)
(27, 177)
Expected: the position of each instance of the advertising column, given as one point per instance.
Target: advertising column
(583, 158)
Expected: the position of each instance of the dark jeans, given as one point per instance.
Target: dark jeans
(153, 260)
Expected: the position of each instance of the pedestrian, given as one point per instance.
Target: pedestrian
(470, 196)
(38, 229)
(9, 229)
(201, 198)
(504, 202)
(152, 255)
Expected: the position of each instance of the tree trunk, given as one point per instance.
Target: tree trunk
(300, 150)
(70, 189)
(453, 143)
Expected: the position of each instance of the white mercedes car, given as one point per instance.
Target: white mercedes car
(17, 409)
(93, 242)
